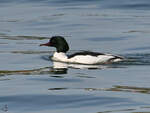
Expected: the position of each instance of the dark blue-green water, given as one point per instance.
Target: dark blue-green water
(31, 83)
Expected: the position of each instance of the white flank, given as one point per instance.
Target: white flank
(84, 59)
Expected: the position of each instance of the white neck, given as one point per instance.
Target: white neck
(60, 56)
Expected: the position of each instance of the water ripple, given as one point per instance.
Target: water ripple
(34, 102)
(136, 59)
(22, 37)
(117, 88)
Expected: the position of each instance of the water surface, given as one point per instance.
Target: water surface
(31, 83)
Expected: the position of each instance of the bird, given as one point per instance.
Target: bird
(83, 57)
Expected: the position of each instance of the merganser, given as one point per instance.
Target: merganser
(85, 57)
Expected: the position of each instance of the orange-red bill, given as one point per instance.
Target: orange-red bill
(46, 44)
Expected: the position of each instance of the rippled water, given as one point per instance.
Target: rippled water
(31, 83)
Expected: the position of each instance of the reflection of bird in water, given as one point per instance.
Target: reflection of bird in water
(85, 57)
(63, 65)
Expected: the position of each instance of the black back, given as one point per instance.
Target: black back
(86, 53)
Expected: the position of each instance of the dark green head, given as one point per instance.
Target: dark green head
(59, 42)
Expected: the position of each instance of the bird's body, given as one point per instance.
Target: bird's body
(85, 57)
